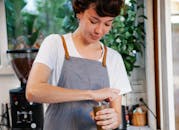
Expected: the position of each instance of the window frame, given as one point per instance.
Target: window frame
(5, 68)
(166, 88)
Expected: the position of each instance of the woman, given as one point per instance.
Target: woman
(75, 71)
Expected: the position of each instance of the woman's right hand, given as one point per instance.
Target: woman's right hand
(105, 93)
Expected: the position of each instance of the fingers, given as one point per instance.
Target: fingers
(116, 91)
(105, 114)
(108, 124)
(114, 94)
(107, 118)
(107, 93)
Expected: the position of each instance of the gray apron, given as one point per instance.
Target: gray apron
(83, 74)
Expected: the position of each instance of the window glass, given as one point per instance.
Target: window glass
(175, 58)
(29, 21)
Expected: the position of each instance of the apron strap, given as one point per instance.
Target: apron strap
(104, 57)
(67, 56)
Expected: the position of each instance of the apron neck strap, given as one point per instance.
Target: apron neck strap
(104, 57)
(67, 56)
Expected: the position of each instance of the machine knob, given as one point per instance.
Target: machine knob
(25, 116)
(16, 103)
(33, 125)
(31, 103)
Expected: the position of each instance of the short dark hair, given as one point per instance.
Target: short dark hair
(103, 7)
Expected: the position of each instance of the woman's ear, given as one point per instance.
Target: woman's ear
(79, 16)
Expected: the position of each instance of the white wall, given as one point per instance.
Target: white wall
(7, 82)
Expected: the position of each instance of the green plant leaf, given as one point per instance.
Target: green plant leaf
(32, 38)
(61, 13)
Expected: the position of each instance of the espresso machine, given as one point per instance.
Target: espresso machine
(24, 115)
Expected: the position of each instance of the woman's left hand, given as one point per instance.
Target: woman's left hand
(108, 118)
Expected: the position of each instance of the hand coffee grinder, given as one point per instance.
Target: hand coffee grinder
(24, 115)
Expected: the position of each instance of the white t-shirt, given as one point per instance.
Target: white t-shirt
(51, 53)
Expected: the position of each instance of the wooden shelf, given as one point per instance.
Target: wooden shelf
(139, 128)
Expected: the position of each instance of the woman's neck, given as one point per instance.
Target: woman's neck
(78, 36)
(86, 49)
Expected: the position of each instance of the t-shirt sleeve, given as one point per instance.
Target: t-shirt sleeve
(48, 51)
(119, 75)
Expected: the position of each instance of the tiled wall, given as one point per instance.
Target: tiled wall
(138, 84)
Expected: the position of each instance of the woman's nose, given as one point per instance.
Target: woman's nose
(99, 29)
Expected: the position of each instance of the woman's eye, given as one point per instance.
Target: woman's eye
(93, 22)
(107, 24)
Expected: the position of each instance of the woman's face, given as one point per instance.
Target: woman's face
(92, 27)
